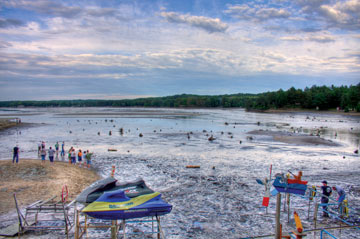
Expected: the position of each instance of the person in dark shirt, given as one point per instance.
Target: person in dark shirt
(16, 154)
(326, 192)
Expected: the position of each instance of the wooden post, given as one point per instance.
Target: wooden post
(288, 205)
(113, 229)
(160, 231)
(86, 226)
(124, 232)
(152, 224)
(315, 217)
(77, 224)
(315, 213)
(277, 218)
(158, 226)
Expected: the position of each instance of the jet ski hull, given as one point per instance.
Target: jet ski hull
(116, 205)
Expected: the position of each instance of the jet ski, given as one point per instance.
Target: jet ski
(116, 205)
(131, 189)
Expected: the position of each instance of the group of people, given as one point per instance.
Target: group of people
(326, 192)
(51, 152)
(72, 155)
(54, 152)
(80, 155)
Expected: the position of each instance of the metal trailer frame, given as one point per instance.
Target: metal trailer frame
(49, 206)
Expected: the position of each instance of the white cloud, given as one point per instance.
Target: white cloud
(256, 13)
(53, 8)
(129, 44)
(336, 14)
(311, 37)
(206, 23)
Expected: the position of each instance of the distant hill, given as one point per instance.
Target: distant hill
(346, 98)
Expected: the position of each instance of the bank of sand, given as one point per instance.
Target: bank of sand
(7, 123)
(33, 180)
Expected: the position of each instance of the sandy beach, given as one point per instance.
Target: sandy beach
(33, 180)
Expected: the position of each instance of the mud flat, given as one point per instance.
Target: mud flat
(33, 180)
(298, 139)
(132, 114)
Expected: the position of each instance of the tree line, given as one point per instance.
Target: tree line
(346, 98)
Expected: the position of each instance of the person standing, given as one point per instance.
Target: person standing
(69, 154)
(84, 157)
(43, 154)
(51, 154)
(326, 192)
(340, 198)
(80, 155)
(341, 193)
(39, 149)
(57, 150)
(88, 158)
(16, 154)
(62, 154)
(73, 156)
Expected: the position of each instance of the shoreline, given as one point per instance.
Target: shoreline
(279, 111)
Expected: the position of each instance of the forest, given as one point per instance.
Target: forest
(346, 98)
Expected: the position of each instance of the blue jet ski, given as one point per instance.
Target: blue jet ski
(116, 205)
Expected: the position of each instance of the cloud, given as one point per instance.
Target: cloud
(51, 8)
(4, 44)
(313, 38)
(256, 13)
(335, 14)
(7, 23)
(343, 14)
(208, 24)
(321, 39)
(59, 9)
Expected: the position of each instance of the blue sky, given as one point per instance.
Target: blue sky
(117, 49)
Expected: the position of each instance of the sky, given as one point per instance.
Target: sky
(125, 49)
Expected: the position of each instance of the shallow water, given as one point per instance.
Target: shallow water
(222, 198)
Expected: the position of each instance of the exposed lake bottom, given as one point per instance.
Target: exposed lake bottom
(221, 199)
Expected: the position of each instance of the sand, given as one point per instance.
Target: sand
(33, 180)
(7, 123)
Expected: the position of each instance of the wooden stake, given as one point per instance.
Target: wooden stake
(86, 226)
(113, 229)
(124, 232)
(77, 225)
(277, 218)
(315, 216)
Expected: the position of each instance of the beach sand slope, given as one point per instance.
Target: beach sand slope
(33, 180)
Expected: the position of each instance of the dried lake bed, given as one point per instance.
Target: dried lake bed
(221, 198)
